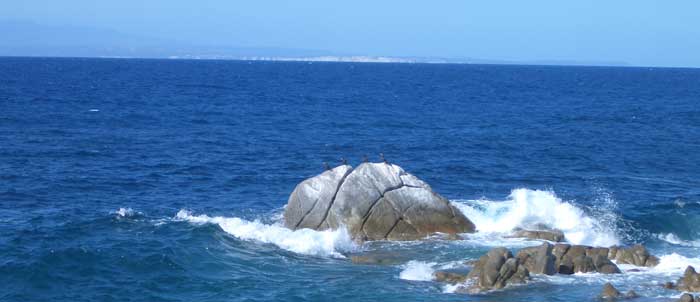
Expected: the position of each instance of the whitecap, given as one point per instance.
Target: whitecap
(125, 212)
(304, 241)
(674, 239)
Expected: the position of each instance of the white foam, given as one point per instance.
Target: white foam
(526, 208)
(451, 288)
(675, 263)
(304, 241)
(125, 212)
(417, 271)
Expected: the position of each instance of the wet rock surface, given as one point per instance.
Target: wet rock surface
(609, 292)
(686, 297)
(690, 280)
(375, 201)
(635, 255)
(495, 270)
(566, 259)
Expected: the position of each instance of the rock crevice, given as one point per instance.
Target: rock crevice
(374, 201)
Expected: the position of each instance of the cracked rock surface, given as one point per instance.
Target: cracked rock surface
(374, 201)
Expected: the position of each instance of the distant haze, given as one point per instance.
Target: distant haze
(639, 32)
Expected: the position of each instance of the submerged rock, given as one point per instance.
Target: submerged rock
(449, 277)
(377, 259)
(550, 235)
(375, 201)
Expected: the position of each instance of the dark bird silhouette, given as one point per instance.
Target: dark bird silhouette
(326, 166)
(343, 161)
(365, 159)
(381, 158)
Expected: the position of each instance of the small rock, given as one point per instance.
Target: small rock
(631, 295)
(669, 285)
(687, 298)
(449, 277)
(609, 292)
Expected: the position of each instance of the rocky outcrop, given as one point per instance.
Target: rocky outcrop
(566, 259)
(635, 255)
(690, 281)
(375, 201)
(497, 269)
(686, 297)
(549, 235)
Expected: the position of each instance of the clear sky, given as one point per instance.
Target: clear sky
(639, 32)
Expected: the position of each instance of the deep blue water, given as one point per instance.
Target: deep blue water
(98, 157)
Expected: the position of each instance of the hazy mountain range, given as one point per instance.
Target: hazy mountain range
(23, 38)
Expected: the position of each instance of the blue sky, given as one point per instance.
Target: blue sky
(640, 32)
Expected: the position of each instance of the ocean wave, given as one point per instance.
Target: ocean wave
(304, 241)
(674, 239)
(527, 208)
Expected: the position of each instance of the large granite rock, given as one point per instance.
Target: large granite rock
(375, 201)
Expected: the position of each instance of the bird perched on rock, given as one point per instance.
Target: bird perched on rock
(326, 166)
(343, 161)
(381, 158)
(365, 159)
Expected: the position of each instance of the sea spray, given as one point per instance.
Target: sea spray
(528, 208)
(417, 271)
(329, 243)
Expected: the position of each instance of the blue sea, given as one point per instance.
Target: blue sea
(165, 180)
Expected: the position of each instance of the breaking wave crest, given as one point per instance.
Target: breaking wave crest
(527, 208)
(674, 239)
(304, 241)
